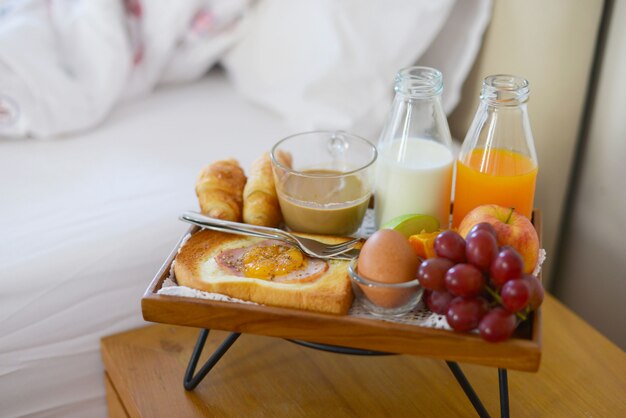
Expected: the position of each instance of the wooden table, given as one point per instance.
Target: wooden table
(582, 374)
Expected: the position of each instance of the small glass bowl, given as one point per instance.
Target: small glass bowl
(384, 299)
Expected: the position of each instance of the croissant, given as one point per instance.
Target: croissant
(260, 202)
(220, 190)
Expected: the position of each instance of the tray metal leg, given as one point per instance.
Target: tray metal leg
(190, 381)
(339, 349)
(504, 393)
(468, 389)
(473, 397)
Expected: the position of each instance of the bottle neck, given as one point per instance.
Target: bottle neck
(417, 111)
(418, 83)
(501, 122)
(504, 91)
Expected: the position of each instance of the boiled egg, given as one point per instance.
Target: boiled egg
(387, 257)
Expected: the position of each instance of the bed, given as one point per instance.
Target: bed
(101, 216)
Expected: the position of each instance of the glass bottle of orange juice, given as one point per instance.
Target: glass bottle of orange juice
(497, 163)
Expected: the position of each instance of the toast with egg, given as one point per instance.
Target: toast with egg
(264, 271)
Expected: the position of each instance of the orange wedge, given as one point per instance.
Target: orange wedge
(424, 244)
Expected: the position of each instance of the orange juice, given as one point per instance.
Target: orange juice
(497, 176)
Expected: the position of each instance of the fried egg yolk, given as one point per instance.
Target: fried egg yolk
(266, 262)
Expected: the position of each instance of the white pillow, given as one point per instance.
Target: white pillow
(330, 64)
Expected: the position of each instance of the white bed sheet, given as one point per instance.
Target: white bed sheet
(86, 222)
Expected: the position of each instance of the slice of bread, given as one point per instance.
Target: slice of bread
(196, 267)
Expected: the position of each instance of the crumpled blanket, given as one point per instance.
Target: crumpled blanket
(65, 64)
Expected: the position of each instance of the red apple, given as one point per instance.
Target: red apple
(512, 229)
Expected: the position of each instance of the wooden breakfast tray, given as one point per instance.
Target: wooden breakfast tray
(521, 352)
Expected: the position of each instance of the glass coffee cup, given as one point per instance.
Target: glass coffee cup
(323, 181)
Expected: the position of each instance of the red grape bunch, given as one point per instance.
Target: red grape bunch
(477, 284)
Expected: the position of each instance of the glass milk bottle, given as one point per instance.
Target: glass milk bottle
(497, 163)
(414, 168)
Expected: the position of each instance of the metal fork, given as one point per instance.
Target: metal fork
(312, 247)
